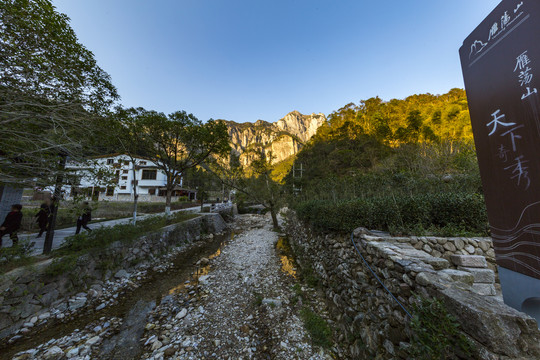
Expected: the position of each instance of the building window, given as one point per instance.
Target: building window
(110, 191)
(125, 171)
(142, 163)
(149, 174)
(151, 191)
(124, 177)
(110, 161)
(123, 187)
(126, 162)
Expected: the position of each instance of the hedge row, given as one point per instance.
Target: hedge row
(460, 212)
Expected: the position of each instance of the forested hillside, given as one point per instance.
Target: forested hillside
(418, 118)
(396, 165)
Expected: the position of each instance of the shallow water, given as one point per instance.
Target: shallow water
(288, 264)
(133, 306)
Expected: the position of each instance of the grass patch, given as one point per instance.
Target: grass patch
(258, 300)
(102, 237)
(317, 328)
(103, 211)
(61, 265)
(16, 256)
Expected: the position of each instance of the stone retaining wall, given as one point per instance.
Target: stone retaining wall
(30, 296)
(446, 247)
(372, 325)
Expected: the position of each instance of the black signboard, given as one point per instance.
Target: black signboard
(501, 68)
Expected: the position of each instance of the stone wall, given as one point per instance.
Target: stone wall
(372, 325)
(446, 247)
(31, 296)
(8, 196)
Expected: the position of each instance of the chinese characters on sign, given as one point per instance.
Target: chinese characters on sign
(500, 67)
(498, 27)
(525, 76)
(519, 171)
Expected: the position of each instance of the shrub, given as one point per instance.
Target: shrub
(436, 333)
(439, 212)
(318, 329)
(15, 256)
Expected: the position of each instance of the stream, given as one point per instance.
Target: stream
(134, 306)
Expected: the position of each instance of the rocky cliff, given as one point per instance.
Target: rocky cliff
(283, 138)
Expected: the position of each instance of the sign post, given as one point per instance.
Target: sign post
(501, 69)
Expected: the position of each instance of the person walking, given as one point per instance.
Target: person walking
(84, 218)
(42, 217)
(12, 224)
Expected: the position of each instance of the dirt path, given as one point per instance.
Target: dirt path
(241, 310)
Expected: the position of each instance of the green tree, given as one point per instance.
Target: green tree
(180, 142)
(51, 92)
(203, 181)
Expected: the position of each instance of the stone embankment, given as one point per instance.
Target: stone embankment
(32, 297)
(457, 271)
(242, 301)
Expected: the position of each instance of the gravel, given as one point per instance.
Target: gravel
(224, 316)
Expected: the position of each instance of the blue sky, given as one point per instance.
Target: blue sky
(255, 59)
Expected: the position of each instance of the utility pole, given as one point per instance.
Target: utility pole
(297, 190)
(49, 236)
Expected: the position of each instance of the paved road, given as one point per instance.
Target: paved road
(61, 234)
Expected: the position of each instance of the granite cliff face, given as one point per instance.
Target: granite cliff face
(283, 138)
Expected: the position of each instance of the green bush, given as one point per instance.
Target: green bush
(436, 333)
(60, 266)
(404, 214)
(15, 256)
(318, 329)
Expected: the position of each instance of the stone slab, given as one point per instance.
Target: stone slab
(458, 275)
(473, 261)
(484, 289)
(484, 276)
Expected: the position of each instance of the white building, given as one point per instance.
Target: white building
(111, 177)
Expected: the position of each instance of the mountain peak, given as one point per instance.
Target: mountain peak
(284, 137)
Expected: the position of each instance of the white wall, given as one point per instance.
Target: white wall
(124, 188)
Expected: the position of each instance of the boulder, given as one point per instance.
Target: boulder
(120, 274)
(53, 353)
(77, 303)
(93, 340)
(492, 323)
(5, 321)
(182, 314)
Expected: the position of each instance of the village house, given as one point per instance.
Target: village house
(111, 177)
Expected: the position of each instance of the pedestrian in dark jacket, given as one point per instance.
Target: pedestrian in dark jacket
(12, 224)
(42, 218)
(84, 218)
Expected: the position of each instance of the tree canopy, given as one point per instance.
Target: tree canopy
(176, 142)
(51, 91)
